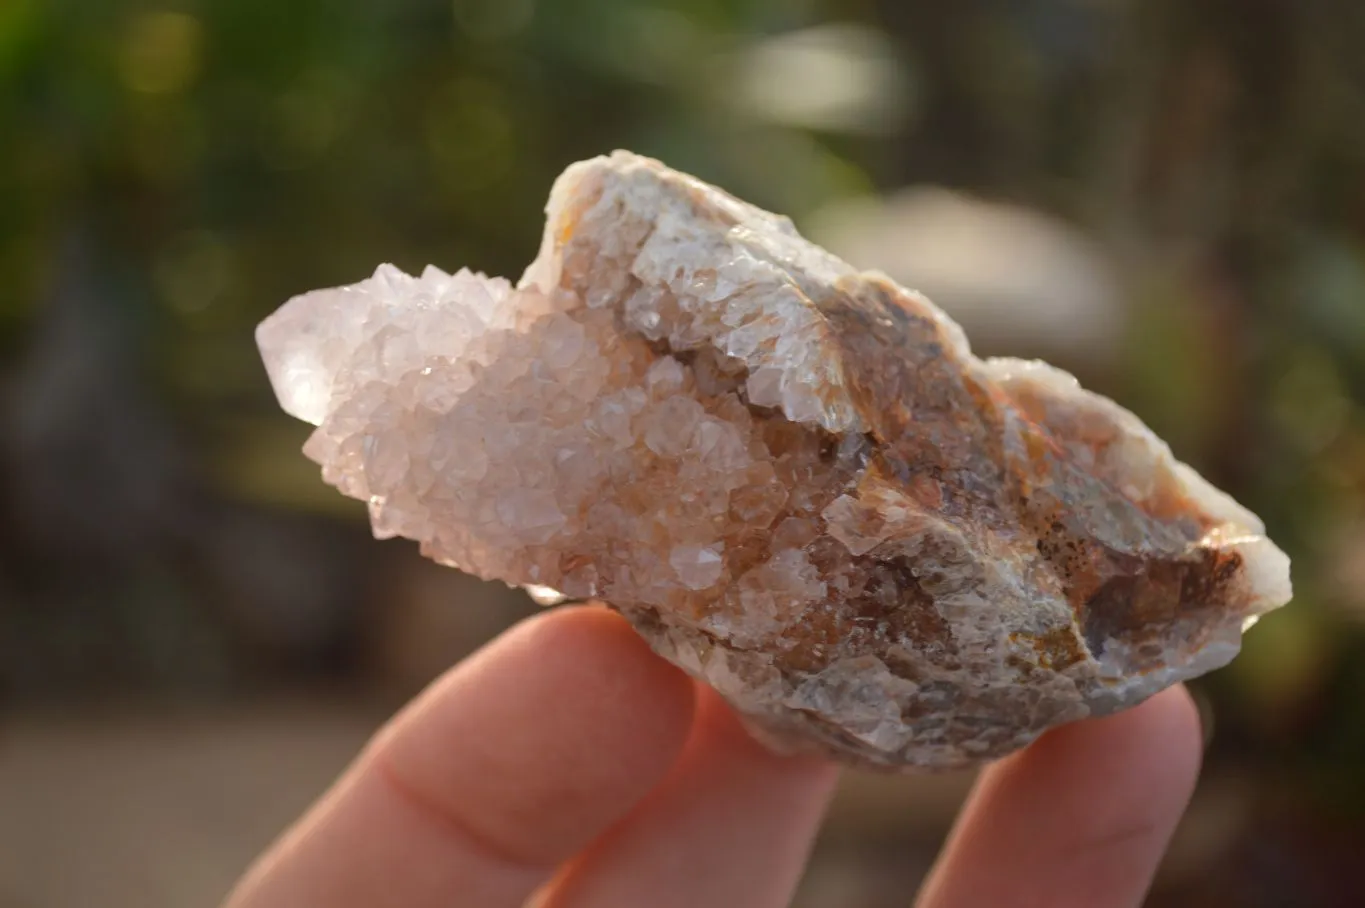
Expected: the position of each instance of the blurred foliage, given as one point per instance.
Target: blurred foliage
(171, 171)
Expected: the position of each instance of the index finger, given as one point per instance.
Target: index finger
(504, 768)
(1079, 819)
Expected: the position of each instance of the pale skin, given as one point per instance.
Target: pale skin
(567, 765)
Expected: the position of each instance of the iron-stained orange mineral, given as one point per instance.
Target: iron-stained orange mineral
(792, 477)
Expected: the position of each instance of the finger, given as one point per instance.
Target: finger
(503, 769)
(731, 825)
(1081, 818)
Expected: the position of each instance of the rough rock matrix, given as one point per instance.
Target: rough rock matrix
(793, 478)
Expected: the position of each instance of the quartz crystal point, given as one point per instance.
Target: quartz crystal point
(793, 478)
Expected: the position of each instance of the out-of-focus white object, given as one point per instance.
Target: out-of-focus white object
(841, 78)
(1021, 282)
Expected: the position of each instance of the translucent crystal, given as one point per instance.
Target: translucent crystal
(794, 478)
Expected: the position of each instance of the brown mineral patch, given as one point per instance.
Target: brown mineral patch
(894, 599)
(870, 319)
(1074, 560)
(927, 492)
(810, 648)
(892, 610)
(1211, 581)
(1141, 604)
(1057, 649)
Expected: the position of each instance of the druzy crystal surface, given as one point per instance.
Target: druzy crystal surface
(794, 479)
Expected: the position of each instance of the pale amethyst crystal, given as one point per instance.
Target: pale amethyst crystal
(793, 478)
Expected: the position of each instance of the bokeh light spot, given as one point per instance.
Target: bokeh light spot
(192, 271)
(470, 136)
(305, 120)
(492, 19)
(1309, 401)
(161, 52)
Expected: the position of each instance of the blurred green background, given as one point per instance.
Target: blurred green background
(1165, 196)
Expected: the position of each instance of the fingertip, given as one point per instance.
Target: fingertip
(732, 824)
(723, 728)
(1158, 743)
(642, 703)
(1081, 817)
(612, 668)
(511, 763)
(1173, 716)
(548, 734)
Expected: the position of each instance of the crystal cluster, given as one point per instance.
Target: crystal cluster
(793, 478)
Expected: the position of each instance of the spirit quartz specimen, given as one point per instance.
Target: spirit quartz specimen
(793, 478)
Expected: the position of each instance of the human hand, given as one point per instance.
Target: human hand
(567, 765)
